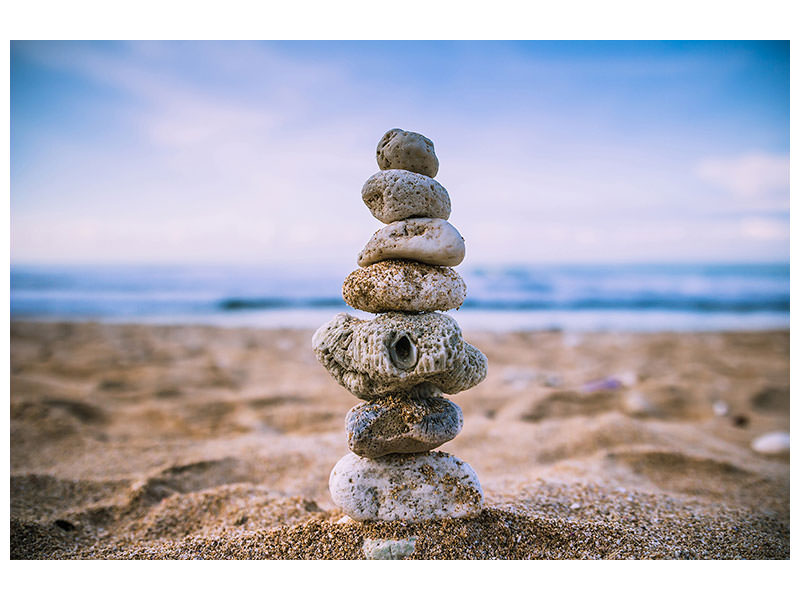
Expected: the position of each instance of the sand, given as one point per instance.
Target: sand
(131, 441)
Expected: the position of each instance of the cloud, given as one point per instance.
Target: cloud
(751, 175)
(251, 151)
(765, 229)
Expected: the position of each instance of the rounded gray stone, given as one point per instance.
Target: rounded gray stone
(408, 150)
(418, 356)
(426, 240)
(396, 194)
(405, 487)
(401, 425)
(403, 285)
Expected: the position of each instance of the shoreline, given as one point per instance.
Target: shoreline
(479, 321)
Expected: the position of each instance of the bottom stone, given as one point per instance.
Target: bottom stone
(408, 487)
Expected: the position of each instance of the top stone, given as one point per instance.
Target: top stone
(407, 150)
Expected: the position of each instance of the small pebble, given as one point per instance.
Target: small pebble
(637, 405)
(720, 408)
(389, 549)
(408, 150)
(773, 443)
(345, 520)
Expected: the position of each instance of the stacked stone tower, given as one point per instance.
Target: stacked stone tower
(402, 361)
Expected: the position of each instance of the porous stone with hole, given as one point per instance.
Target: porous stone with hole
(430, 241)
(407, 487)
(399, 149)
(417, 356)
(401, 425)
(404, 359)
(395, 195)
(403, 285)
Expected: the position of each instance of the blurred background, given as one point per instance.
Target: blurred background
(598, 185)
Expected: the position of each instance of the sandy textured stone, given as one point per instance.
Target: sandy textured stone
(400, 149)
(419, 356)
(431, 241)
(402, 285)
(408, 487)
(396, 194)
(401, 425)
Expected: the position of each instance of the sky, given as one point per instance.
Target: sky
(255, 152)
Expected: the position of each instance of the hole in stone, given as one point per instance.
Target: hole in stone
(403, 348)
(403, 351)
(65, 525)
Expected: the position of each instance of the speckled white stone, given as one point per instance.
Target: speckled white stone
(396, 194)
(407, 487)
(430, 241)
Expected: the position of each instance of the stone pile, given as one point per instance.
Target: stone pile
(402, 361)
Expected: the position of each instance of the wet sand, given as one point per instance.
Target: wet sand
(195, 442)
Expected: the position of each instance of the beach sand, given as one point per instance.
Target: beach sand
(131, 441)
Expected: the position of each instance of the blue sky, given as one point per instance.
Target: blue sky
(255, 152)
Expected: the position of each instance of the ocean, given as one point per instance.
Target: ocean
(502, 298)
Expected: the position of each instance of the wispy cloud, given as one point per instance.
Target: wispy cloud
(257, 152)
(753, 175)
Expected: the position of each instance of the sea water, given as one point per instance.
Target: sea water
(660, 297)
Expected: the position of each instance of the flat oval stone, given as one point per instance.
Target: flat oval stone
(400, 149)
(401, 425)
(418, 356)
(407, 487)
(397, 194)
(402, 285)
(426, 240)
